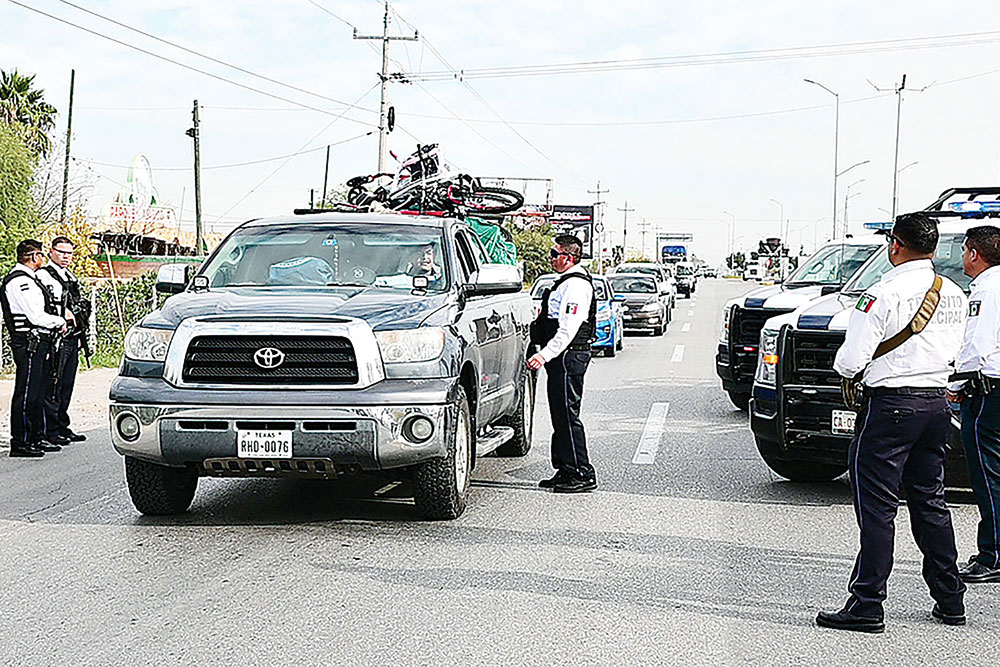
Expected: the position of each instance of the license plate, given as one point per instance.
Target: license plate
(843, 421)
(264, 444)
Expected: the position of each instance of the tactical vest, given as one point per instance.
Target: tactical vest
(546, 327)
(17, 323)
(72, 298)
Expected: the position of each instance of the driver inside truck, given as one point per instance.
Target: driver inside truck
(424, 264)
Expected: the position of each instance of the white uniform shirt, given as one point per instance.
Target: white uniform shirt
(46, 278)
(981, 347)
(26, 298)
(884, 310)
(570, 303)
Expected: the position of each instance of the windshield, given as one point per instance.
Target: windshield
(832, 265)
(632, 284)
(683, 270)
(329, 255)
(648, 270)
(947, 262)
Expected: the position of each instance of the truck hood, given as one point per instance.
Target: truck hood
(827, 313)
(777, 296)
(378, 306)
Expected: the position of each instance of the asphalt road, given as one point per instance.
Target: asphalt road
(690, 552)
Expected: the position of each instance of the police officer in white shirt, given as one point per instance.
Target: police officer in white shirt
(979, 395)
(65, 287)
(564, 330)
(29, 315)
(902, 428)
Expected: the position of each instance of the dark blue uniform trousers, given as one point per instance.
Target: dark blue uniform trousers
(565, 393)
(27, 423)
(981, 437)
(899, 445)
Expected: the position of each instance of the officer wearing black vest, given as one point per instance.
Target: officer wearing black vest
(65, 288)
(30, 315)
(564, 330)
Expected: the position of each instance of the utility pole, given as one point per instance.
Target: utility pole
(383, 108)
(195, 134)
(69, 137)
(836, 146)
(326, 174)
(898, 90)
(599, 224)
(626, 211)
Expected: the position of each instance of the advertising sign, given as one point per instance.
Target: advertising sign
(575, 220)
(135, 208)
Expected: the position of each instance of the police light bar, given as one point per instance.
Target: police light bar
(878, 226)
(975, 206)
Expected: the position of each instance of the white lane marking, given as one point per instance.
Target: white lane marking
(690, 313)
(649, 443)
(686, 327)
(678, 355)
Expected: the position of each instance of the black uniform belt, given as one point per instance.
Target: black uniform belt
(904, 391)
(976, 384)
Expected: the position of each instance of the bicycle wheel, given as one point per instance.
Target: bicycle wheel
(493, 201)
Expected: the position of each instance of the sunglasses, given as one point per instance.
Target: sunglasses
(555, 253)
(889, 238)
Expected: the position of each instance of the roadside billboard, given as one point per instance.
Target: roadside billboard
(575, 220)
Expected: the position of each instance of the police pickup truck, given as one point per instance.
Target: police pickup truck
(800, 423)
(315, 345)
(824, 272)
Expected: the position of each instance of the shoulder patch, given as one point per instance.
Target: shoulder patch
(974, 307)
(865, 303)
(571, 308)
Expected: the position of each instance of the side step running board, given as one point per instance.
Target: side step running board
(493, 437)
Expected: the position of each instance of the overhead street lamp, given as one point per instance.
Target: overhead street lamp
(847, 197)
(836, 141)
(856, 164)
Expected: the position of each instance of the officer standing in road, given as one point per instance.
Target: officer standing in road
(903, 425)
(30, 317)
(564, 330)
(979, 395)
(65, 288)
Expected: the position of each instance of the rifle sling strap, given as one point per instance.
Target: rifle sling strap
(923, 315)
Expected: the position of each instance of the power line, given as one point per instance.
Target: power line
(324, 9)
(180, 64)
(760, 55)
(208, 57)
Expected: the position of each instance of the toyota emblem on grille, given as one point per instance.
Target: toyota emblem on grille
(268, 357)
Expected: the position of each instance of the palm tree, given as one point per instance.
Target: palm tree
(21, 105)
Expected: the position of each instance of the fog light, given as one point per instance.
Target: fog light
(128, 427)
(418, 429)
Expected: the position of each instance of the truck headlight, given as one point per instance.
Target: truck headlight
(651, 307)
(142, 344)
(767, 361)
(407, 346)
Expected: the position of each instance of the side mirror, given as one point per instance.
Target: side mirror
(172, 278)
(494, 279)
(829, 289)
(620, 298)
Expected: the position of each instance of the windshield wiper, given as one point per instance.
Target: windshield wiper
(349, 285)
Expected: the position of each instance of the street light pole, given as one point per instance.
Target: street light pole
(847, 196)
(836, 142)
(781, 218)
(899, 108)
(732, 231)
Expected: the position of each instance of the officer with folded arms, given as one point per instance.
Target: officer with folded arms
(902, 335)
(65, 288)
(977, 389)
(29, 313)
(564, 330)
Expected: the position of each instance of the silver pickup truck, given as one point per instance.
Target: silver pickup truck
(324, 344)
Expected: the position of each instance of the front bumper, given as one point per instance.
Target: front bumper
(350, 429)
(643, 321)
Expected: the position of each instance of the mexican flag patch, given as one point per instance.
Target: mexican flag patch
(865, 303)
(974, 308)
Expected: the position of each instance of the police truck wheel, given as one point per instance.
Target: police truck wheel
(522, 421)
(739, 398)
(796, 471)
(441, 485)
(610, 350)
(160, 490)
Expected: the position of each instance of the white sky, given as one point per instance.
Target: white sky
(679, 176)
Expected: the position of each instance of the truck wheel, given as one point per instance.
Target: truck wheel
(523, 420)
(797, 471)
(441, 485)
(610, 350)
(658, 331)
(158, 489)
(740, 399)
(620, 344)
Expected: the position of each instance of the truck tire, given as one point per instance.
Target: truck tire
(441, 485)
(160, 490)
(611, 350)
(740, 399)
(523, 420)
(797, 471)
